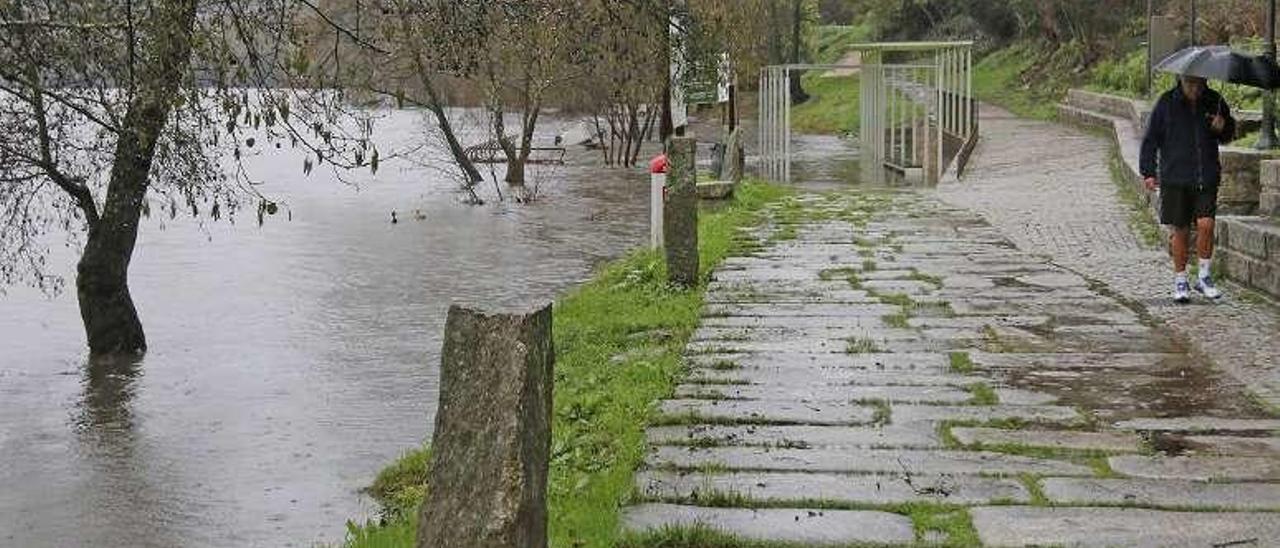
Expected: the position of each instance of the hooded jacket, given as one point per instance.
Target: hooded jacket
(1180, 141)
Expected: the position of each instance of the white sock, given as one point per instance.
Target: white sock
(1181, 276)
(1205, 265)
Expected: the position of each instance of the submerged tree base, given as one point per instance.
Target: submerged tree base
(619, 341)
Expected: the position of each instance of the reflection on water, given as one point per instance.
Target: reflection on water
(109, 385)
(288, 363)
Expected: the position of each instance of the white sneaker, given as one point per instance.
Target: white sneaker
(1205, 287)
(1181, 292)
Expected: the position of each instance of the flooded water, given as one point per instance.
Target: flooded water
(288, 363)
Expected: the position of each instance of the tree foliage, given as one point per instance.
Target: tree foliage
(80, 80)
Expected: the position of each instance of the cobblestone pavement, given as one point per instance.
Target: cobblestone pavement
(1048, 188)
(893, 370)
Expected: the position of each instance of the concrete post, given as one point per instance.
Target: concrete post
(680, 215)
(492, 444)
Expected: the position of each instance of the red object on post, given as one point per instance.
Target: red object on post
(658, 164)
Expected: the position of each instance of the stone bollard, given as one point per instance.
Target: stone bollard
(733, 157)
(492, 443)
(1269, 197)
(680, 214)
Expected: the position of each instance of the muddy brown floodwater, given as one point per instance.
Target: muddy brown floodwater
(288, 363)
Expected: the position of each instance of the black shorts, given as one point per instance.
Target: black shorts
(1181, 205)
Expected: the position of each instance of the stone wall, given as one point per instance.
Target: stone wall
(1110, 105)
(1240, 190)
(1269, 195)
(1249, 249)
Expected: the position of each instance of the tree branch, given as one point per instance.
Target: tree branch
(341, 29)
(46, 23)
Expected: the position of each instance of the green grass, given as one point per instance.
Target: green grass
(1035, 489)
(961, 362)
(702, 536)
(725, 365)
(833, 106)
(952, 522)
(900, 320)
(600, 408)
(1003, 78)
(983, 394)
(861, 345)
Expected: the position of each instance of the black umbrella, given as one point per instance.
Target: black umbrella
(1222, 63)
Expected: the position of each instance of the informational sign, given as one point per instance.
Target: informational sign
(708, 82)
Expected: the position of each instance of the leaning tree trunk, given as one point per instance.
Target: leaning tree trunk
(102, 277)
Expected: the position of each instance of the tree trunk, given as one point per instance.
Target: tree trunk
(798, 95)
(111, 322)
(102, 276)
(1049, 20)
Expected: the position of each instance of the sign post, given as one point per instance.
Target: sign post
(657, 198)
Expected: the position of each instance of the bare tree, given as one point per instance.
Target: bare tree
(108, 107)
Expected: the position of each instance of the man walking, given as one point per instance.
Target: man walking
(1180, 157)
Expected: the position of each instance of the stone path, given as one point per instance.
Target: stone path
(889, 369)
(1048, 188)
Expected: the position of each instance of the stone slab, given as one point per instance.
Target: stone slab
(1057, 439)
(784, 525)
(903, 340)
(1235, 445)
(836, 393)
(896, 362)
(771, 411)
(1200, 424)
(1163, 493)
(796, 436)
(889, 461)
(1043, 361)
(864, 327)
(1197, 468)
(715, 190)
(1120, 527)
(1018, 396)
(820, 376)
(907, 413)
(801, 310)
(865, 489)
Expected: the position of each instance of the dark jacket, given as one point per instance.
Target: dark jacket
(1187, 145)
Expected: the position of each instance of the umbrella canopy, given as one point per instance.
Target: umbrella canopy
(1222, 63)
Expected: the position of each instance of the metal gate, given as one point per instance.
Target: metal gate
(918, 115)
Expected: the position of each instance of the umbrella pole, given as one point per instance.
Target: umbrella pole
(1267, 138)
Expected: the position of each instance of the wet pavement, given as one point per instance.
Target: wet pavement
(901, 353)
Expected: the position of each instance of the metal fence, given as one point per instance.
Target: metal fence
(918, 112)
(918, 115)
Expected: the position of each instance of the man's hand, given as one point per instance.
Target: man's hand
(1151, 183)
(1218, 123)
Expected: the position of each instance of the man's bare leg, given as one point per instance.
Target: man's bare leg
(1204, 248)
(1204, 237)
(1178, 247)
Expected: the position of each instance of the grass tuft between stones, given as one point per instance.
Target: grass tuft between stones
(950, 524)
(960, 362)
(983, 394)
